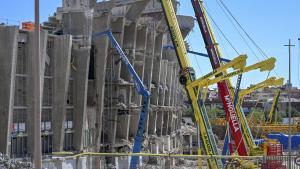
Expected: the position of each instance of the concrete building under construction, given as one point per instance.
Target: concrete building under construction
(89, 101)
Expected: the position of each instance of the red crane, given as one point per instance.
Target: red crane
(223, 87)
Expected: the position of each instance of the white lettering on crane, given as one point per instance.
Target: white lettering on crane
(232, 114)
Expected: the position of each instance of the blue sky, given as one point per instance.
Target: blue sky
(270, 23)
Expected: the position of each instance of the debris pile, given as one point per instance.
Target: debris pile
(7, 163)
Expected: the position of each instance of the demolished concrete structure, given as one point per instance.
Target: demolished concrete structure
(89, 99)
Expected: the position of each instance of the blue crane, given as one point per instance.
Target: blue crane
(141, 89)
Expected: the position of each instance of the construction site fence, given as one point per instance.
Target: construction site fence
(148, 160)
(280, 162)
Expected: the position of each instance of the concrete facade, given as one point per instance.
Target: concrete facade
(89, 99)
(8, 56)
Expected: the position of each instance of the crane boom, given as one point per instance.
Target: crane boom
(225, 94)
(274, 107)
(187, 76)
(244, 138)
(141, 89)
(272, 81)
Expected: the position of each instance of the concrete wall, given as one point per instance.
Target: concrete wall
(8, 55)
(88, 93)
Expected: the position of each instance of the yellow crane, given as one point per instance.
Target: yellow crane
(193, 85)
(274, 107)
(215, 55)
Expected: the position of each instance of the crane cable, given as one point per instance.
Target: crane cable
(259, 49)
(249, 37)
(196, 58)
(241, 27)
(238, 31)
(218, 28)
(222, 33)
(245, 32)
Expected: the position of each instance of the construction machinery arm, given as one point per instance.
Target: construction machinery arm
(274, 106)
(141, 89)
(226, 95)
(187, 76)
(205, 80)
(225, 89)
(272, 81)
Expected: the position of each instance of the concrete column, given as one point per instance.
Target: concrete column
(8, 55)
(152, 123)
(134, 119)
(147, 122)
(178, 89)
(101, 23)
(112, 88)
(170, 123)
(174, 119)
(149, 58)
(174, 87)
(179, 115)
(156, 68)
(165, 122)
(117, 26)
(110, 118)
(159, 123)
(61, 54)
(163, 77)
(169, 84)
(81, 57)
(81, 62)
(157, 57)
(140, 51)
(123, 126)
(129, 42)
(191, 143)
(30, 99)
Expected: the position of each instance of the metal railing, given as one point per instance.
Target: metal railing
(279, 162)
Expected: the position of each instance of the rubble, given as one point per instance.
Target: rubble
(7, 163)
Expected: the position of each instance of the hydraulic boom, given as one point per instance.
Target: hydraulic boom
(141, 89)
(223, 86)
(187, 76)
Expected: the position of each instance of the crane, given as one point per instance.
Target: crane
(141, 89)
(224, 86)
(242, 135)
(187, 76)
(193, 86)
(249, 138)
(238, 64)
(274, 107)
(272, 81)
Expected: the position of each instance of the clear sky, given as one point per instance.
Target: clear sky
(270, 23)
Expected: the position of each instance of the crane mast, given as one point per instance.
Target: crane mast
(193, 86)
(187, 76)
(223, 86)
